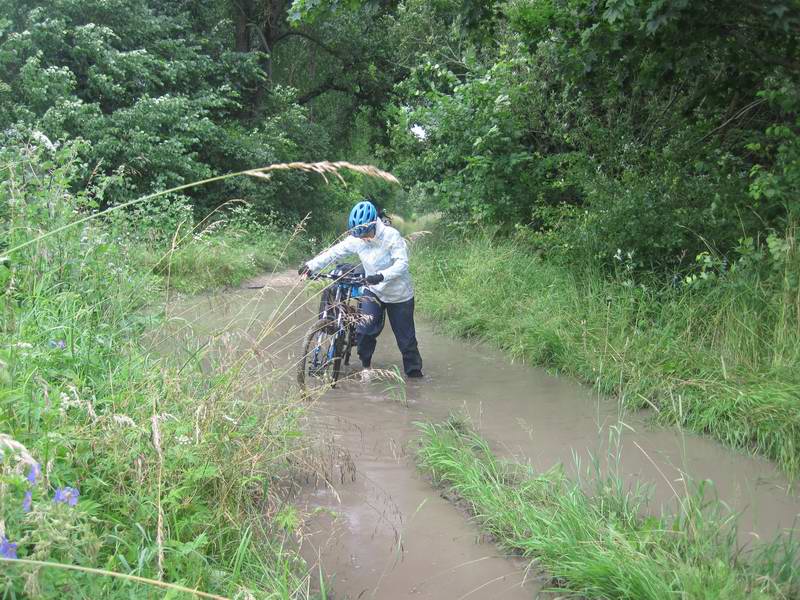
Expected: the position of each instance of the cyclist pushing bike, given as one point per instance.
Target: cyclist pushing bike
(383, 254)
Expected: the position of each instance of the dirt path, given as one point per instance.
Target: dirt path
(382, 531)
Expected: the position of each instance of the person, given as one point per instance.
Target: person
(383, 216)
(384, 256)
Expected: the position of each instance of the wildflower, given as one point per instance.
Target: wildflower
(24, 345)
(66, 495)
(38, 136)
(60, 344)
(26, 503)
(34, 473)
(7, 549)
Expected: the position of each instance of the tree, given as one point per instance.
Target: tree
(157, 92)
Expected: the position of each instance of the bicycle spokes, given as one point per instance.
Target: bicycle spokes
(321, 356)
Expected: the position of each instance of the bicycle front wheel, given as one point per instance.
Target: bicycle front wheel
(321, 359)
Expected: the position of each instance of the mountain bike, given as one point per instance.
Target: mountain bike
(329, 342)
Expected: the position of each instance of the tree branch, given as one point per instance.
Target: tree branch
(327, 86)
(261, 35)
(310, 38)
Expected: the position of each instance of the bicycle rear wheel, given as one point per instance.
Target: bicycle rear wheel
(320, 362)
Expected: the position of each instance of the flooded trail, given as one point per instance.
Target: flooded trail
(387, 533)
(380, 530)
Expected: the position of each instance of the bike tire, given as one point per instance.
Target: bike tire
(323, 327)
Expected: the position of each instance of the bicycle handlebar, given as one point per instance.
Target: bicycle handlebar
(345, 279)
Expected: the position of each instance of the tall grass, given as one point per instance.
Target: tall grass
(415, 224)
(219, 260)
(599, 545)
(178, 465)
(722, 360)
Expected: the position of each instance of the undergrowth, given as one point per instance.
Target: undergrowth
(719, 359)
(219, 262)
(112, 457)
(599, 545)
(223, 249)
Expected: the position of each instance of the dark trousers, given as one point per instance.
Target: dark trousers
(401, 318)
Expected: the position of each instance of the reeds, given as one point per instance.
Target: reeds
(321, 168)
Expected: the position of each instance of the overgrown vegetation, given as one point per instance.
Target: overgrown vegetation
(161, 96)
(664, 129)
(190, 255)
(637, 162)
(723, 359)
(113, 457)
(602, 543)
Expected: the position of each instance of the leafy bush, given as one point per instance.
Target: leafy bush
(596, 127)
(160, 97)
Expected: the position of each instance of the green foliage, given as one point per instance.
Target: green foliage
(310, 10)
(653, 144)
(602, 545)
(776, 180)
(171, 487)
(159, 95)
(223, 249)
(658, 128)
(720, 357)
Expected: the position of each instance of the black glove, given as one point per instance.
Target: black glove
(303, 270)
(373, 279)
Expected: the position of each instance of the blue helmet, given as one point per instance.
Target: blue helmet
(362, 218)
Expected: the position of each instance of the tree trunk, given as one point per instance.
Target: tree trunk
(242, 12)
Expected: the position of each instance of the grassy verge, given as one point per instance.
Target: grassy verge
(111, 457)
(222, 260)
(224, 249)
(598, 546)
(723, 360)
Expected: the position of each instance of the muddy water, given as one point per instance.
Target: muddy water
(379, 530)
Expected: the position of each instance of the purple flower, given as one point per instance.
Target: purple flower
(34, 473)
(7, 549)
(26, 503)
(66, 495)
(61, 344)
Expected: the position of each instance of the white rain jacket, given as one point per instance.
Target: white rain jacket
(386, 254)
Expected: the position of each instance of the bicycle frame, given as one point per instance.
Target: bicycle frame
(344, 287)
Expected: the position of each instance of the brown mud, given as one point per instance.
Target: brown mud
(380, 530)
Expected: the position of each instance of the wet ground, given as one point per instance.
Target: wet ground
(380, 530)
